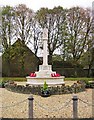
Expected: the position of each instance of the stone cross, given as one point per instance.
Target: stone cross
(45, 38)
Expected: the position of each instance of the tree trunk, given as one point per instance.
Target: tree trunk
(89, 71)
(75, 68)
(9, 69)
(50, 59)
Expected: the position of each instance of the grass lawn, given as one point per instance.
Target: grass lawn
(83, 78)
(20, 79)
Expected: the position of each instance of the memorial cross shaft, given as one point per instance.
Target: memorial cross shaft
(45, 53)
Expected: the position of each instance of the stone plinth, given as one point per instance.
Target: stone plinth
(45, 67)
(44, 71)
(49, 80)
(44, 74)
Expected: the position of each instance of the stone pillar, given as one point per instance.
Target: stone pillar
(45, 54)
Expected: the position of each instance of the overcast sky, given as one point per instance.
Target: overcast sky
(37, 4)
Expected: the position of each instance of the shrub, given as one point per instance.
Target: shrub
(2, 84)
(45, 87)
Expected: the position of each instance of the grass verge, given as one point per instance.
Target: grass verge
(83, 78)
(21, 79)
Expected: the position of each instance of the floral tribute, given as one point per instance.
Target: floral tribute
(55, 75)
(32, 74)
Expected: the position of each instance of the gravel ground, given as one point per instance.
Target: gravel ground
(54, 106)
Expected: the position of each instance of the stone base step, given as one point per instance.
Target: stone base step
(49, 81)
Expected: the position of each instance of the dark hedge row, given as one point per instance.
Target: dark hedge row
(75, 88)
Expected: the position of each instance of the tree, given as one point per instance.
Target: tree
(53, 20)
(0, 30)
(78, 32)
(36, 35)
(88, 58)
(7, 32)
(78, 27)
(7, 26)
(23, 22)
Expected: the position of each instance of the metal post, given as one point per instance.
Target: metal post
(75, 103)
(30, 112)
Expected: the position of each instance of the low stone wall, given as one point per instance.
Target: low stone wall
(64, 89)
